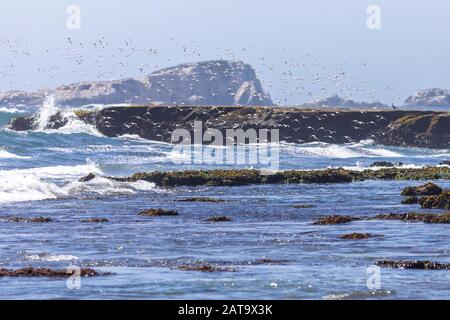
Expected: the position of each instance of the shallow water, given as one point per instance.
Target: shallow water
(39, 174)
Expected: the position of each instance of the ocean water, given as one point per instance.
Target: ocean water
(39, 174)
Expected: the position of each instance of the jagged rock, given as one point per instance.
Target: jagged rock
(217, 82)
(419, 265)
(89, 177)
(430, 98)
(398, 128)
(158, 213)
(445, 163)
(385, 164)
(428, 189)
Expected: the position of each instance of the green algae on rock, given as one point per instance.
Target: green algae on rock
(416, 217)
(356, 236)
(238, 177)
(335, 219)
(428, 189)
(441, 201)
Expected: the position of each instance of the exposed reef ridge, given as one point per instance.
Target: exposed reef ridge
(389, 127)
(239, 177)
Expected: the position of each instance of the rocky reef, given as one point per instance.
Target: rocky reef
(48, 273)
(238, 177)
(295, 125)
(217, 82)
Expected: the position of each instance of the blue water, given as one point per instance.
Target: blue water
(39, 174)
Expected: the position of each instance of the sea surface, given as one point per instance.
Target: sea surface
(39, 173)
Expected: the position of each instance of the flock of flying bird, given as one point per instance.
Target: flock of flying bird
(292, 76)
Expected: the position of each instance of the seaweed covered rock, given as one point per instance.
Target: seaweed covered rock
(218, 219)
(158, 213)
(416, 217)
(356, 236)
(441, 201)
(419, 265)
(335, 219)
(410, 200)
(428, 189)
(239, 177)
(49, 273)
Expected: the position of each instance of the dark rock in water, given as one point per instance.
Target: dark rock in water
(419, 265)
(89, 177)
(218, 219)
(386, 164)
(335, 219)
(295, 125)
(428, 189)
(416, 217)
(217, 82)
(445, 163)
(205, 268)
(303, 206)
(48, 273)
(441, 201)
(29, 220)
(201, 199)
(269, 262)
(239, 177)
(158, 213)
(356, 236)
(410, 200)
(95, 220)
(22, 124)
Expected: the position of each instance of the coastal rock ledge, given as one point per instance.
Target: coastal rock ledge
(403, 128)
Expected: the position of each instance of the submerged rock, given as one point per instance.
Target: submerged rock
(158, 213)
(445, 163)
(49, 273)
(89, 177)
(201, 199)
(419, 265)
(356, 236)
(269, 262)
(218, 219)
(95, 220)
(303, 206)
(29, 220)
(428, 189)
(441, 201)
(205, 268)
(335, 219)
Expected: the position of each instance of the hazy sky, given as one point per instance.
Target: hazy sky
(298, 47)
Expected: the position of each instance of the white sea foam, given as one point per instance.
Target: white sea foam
(8, 155)
(11, 110)
(50, 257)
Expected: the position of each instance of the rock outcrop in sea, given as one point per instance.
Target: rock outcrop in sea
(430, 98)
(403, 128)
(217, 82)
(336, 101)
